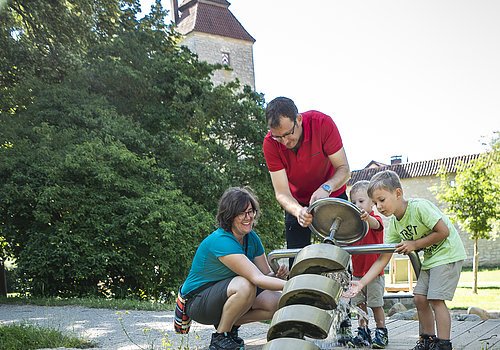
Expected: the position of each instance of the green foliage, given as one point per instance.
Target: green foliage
(26, 337)
(474, 198)
(114, 149)
(91, 211)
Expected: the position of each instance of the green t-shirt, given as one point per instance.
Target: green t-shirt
(418, 221)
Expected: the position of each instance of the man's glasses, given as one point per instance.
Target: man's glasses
(280, 138)
(251, 213)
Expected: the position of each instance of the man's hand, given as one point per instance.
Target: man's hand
(406, 247)
(319, 194)
(304, 218)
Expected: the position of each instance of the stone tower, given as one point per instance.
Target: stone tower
(212, 32)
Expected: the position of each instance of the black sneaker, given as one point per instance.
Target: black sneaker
(381, 338)
(440, 344)
(344, 333)
(234, 334)
(424, 342)
(362, 339)
(222, 341)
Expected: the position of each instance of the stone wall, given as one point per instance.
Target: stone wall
(216, 49)
(422, 187)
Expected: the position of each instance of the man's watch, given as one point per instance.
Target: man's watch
(327, 188)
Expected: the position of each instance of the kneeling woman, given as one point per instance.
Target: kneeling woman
(230, 282)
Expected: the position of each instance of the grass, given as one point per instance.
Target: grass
(488, 293)
(486, 298)
(96, 303)
(486, 277)
(27, 337)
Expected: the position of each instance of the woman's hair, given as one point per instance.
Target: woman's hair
(386, 180)
(234, 201)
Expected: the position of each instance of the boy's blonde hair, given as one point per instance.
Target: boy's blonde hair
(361, 185)
(386, 180)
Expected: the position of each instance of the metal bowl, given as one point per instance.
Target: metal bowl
(342, 215)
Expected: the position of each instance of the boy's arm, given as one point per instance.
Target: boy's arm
(372, 222)
(373, 272)
(439, 233)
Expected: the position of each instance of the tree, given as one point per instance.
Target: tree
(83, 212)
(114, 149)
(473, 198)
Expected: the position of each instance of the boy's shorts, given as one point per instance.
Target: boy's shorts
(206, 306)
(372, 294)
(440, 282)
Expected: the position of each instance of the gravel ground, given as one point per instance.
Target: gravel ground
(119, 330)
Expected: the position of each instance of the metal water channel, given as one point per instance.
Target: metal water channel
(277, 254)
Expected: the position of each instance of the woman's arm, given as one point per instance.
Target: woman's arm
(263, 265)
(242, 266)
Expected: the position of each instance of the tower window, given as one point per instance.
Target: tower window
(225, 59)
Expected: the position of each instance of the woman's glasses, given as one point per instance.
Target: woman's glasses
(251, 213)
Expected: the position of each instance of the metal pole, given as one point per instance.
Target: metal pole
(333, 230)
(277, 254)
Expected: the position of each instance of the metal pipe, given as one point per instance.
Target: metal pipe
(277, 254)
(370, 249)
(415, 262)
(335, 227)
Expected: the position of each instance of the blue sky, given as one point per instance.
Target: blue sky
(420, 79)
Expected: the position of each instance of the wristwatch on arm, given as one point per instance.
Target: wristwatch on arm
(327, 188)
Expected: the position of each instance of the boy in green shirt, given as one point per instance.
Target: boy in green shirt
(417, 224)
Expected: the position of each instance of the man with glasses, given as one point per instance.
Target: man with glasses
(306, 159)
